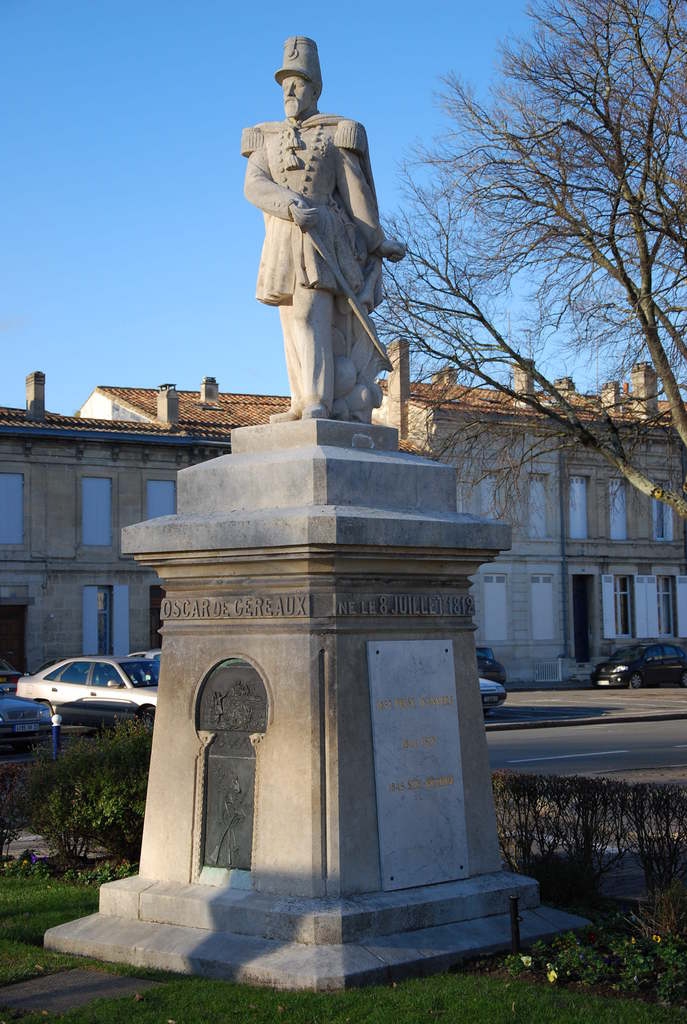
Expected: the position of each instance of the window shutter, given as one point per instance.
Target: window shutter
(90, 620)
(495, 618)
(541, 593)
(120, 625)
(646, 607)
(608, 607)
(11, 508)
(681, 605)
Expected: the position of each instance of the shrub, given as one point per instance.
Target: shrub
(527, 835)
(564, 831)
(12, 803)
(93, 796)
(657, 826)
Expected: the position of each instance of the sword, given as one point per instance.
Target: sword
(360, 313)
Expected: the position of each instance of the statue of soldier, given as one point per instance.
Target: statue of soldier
(321, 260)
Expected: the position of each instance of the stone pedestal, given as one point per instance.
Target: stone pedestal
(319, 808)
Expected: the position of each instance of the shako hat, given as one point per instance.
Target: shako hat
(301, 58)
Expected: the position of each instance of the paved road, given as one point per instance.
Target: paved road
(570, 706)
(591, 749)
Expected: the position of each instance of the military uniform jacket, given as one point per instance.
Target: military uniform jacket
(325, 161)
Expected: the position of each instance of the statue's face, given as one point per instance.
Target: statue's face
(300, 96)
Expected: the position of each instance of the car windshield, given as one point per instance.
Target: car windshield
(486, 653)
(5, 666)
(142, 673)
(627, 654)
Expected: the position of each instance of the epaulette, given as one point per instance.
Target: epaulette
(351, 135)
(251, 139)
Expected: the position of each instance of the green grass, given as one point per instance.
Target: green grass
(468, 999)
(29, 906)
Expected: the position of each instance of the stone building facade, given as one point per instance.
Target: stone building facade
(594, 564)
(68, 484)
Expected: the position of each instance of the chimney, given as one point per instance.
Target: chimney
(566, 385)
(446, 377)
(610, 395)
(209, 391)
(523, 379)
(168, 405)
(398, 386)
(35, 395)
(644, 390)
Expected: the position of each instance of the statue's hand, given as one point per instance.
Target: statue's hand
(306, 217)
(391, 249)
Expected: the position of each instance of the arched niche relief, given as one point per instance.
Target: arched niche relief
(231, 719)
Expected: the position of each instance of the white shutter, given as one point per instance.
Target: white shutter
(495, 617)
(578, 507)
(537, 507)
(90, 621)
(608, 607)
(681, 605)
(120, 625)
(646, 607)
(617, 501)
(541, 601)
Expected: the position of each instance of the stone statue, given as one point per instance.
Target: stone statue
(322, 256)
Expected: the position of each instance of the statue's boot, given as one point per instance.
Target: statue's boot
(315, 412)
(285, 417)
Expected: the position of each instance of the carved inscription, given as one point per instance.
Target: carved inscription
(274, 606)
(418, 770)
(407, 604)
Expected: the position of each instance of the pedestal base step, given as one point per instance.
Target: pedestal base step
(295, 965)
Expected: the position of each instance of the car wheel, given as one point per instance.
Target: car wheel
(635, 681)
(147, 716)
(683, 678)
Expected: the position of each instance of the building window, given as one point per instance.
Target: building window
(662, 520)
(541, 600)
(96, 512)
(160, 498)
(664, 597)
(492, 492)
(11, 508)
(537, 526)
(103, 607)
(578, 507)
(106, 620)
(495, 618)
(622, 605)
(617, 505)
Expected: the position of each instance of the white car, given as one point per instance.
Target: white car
(96, 690)
(492, 693)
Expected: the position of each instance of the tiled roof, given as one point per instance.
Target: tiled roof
(55, 421)
(230, 410)
(456, 398)
(212, 422)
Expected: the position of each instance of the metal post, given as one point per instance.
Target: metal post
(56, 723)
(514, 925)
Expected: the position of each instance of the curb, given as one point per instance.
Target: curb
(592, 720)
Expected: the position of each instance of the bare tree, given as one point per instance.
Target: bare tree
(549, 227)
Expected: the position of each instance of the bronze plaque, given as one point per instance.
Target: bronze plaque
(232, 705)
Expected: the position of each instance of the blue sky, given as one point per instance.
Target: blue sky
(128, 252)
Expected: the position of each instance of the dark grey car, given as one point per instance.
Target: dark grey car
(22, 722)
